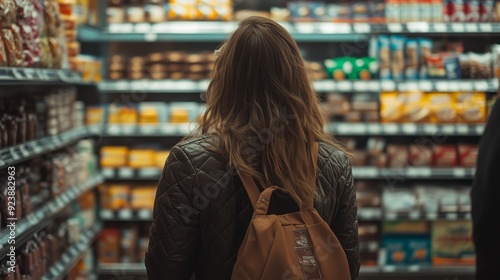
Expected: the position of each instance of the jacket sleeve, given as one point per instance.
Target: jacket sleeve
(345, 222)
(174, 236)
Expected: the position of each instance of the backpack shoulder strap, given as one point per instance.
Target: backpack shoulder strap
(254, 192)
(314, 153)
(251, 188)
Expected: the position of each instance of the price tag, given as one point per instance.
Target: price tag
(451, 216)
(150, 37)
(425, 86)
(415, 172)
(414, 215)
(114, 129)
(128, 129)
(344, 86)
(362, 28)
(481, 85)
(413, 268)
(169, 129)
(430, 129)
(440, 27)
(121, 28)
(471, 27)
(486, 27)
(184, 129)
(66, 259)
(479, 129)
(391, 129)
(459, 172)
(125, 173)
(125, 214)
(462, 129)
(106, 214)
(454, 86)
(145, 214)
(357, 129)
(73, 251)
(387, 85)
(365, 172)
(360, 86)
(448, 129)
(409, 129)
(18, 73)
(149, 173)
(431, 216)
(341, 128)
(142, 27)
(420, 27)
(108, 173)
(442, 86)
(374, 129)
(59, 267)
(373, 246)
(120, 85)
(149, 129)
(391, 216)
(465, 86)
(457, 27)
(395, 27)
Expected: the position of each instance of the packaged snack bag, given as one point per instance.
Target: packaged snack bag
(340, 68)
(443, 108)
(416, 107)
(425, 49)
(397, 57)
(471, 107)
(411, 59)
(391, 107)
(384, 57)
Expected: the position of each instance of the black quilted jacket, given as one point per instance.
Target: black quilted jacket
(202, 212)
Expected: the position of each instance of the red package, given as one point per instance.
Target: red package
(486, 10)
(397, 156)
(467, 155)
(444, 156)
(454, 11)
(420, 155)
(471, 10)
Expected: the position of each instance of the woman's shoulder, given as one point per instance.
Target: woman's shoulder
(198, 149)
(331, 153)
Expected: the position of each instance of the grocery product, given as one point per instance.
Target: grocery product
(109, 245)
(471, 107)
(444, 156)
(496, 60)
(384, 48)
(116, 156)
(391, 107)
(452, 243)
(411, 59)
(406, 243)
(143, 197)
(340, 68)
(416, 107)
(443, 108)
(480, 65)
(115, 197)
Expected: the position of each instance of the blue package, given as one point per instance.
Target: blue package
(384, 57)
(411, 59)
(452, 67)
(397, 57)
(424, 49)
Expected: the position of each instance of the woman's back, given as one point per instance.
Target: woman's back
(202, 212)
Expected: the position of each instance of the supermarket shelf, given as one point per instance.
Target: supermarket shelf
(39, 219)
(34, 148)
(18, 76)
(408, 129)
(126, 215)
(389, 174)
(445, 271)
(137, 269)
(72, 255)
(126, 173)
(399, 174)
(186, 31)
(140, 269)
(190, 86)
(338, 129)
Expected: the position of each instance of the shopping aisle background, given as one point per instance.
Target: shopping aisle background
(406, 87)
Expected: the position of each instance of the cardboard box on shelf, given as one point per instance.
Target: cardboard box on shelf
(452, 243)
(114, 156)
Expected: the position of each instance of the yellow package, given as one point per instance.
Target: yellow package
(127, 115)
(115, 197)
(149, 116)
(94, 115)
(182, 12)
(161, 157)
(391, 107)
(179, 116)
(416, 107)
(143, 197)
(142, 158)
(114, 156)
(443, 107)
(471, 107)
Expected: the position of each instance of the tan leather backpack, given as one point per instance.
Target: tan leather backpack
(291, 246)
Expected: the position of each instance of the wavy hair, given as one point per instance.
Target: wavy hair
(262, 107)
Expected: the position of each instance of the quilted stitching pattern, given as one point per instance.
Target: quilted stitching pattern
(202, 212)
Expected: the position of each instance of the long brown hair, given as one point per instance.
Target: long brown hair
(262, 107)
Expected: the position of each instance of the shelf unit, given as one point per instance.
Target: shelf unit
(73, 254)
(190, 86)
(337, 129)
(40, 218)
(40, 76)
(31, 149)
(301, 31)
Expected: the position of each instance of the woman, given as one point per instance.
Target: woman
(262, 117)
